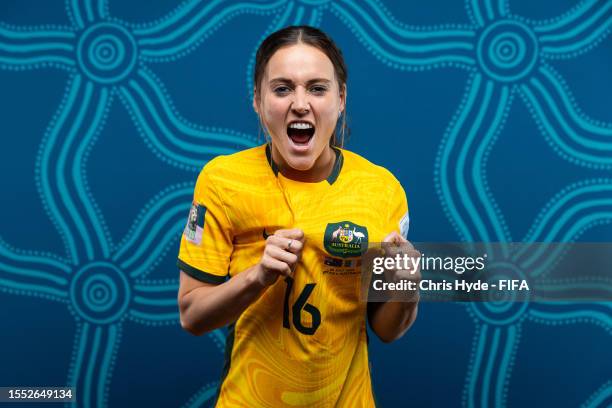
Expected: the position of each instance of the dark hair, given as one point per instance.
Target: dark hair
(310, 36)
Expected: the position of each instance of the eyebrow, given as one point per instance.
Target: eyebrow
(289, 81)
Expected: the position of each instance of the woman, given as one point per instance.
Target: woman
(298, 208)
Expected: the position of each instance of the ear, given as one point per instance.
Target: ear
(343, 98)
(255, 101)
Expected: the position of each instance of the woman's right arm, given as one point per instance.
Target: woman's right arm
(205, 307)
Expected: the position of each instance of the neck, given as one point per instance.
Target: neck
(320, 171)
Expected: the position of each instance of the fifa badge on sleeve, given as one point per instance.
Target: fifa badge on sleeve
(195, 224)
(404, 225)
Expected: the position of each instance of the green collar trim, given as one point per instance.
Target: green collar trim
(332, 177)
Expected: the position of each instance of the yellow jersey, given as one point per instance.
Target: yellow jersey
(303, 342)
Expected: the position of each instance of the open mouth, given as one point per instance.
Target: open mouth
(300, 133)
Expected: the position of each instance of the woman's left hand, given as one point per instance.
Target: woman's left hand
(394, 244)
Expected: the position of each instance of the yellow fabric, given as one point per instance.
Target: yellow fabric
(272, 365)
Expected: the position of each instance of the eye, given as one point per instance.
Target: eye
(281, 90)
(318, 89)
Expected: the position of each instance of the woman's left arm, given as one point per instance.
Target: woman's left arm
(391, 319)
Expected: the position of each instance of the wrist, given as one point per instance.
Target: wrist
(254, 278)
(406, 296)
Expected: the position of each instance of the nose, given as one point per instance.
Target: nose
(300, 103)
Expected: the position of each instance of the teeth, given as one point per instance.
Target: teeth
(300, 125)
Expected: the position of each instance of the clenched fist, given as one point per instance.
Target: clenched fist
(280, 256)
(393, 245)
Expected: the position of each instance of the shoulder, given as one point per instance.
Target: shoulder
(235, 166)
(235, 173)
(361, 168)
(243, 160)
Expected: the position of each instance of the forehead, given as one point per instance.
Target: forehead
(299, 62)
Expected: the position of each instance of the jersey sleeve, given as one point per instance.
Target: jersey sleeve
(398, 218)
(206, 243)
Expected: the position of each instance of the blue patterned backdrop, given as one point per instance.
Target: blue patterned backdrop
(496, 116)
